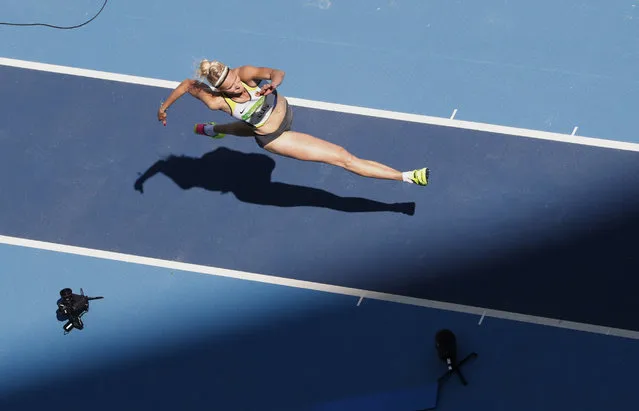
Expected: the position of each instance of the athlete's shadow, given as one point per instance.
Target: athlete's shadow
(248, 177)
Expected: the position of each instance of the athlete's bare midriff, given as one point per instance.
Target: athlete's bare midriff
(276, 117)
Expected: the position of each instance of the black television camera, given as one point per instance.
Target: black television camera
(72, 307)
(446, 344)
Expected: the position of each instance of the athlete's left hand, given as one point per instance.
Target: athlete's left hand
(266, 89)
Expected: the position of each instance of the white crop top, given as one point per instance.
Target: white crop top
(256, 110)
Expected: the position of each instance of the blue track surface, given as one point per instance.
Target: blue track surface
(544, 65)
(163, 339)
(523, 225)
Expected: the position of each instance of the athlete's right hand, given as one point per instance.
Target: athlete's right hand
(162, 116)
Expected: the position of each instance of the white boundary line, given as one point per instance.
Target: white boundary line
(482, 318)
(393, 115)
(287, 282)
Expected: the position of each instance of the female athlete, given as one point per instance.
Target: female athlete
(264, 114)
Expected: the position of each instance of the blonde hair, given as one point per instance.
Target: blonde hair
(213, 71)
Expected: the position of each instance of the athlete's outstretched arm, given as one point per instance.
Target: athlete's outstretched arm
(196, 89)
(179, 91)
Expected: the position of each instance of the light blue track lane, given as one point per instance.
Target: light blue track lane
(545, 65)
(163, 339)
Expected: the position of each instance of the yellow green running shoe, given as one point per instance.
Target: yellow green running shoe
(199, 129)
(420, 176)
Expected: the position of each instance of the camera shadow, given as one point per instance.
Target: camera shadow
(248, 177)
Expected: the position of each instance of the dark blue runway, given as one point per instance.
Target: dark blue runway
(523, 225)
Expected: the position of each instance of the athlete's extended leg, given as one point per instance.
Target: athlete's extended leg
(238, 128)
(305, 147)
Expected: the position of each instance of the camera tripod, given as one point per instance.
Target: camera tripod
(446, 344)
